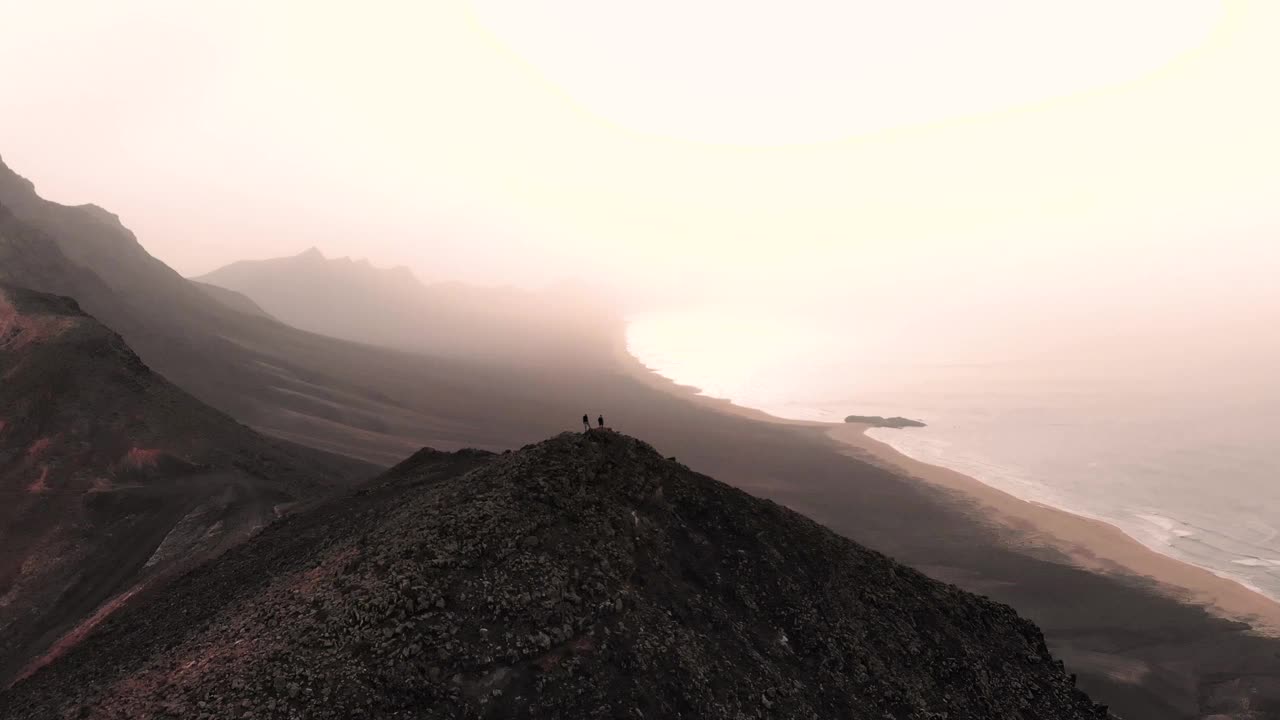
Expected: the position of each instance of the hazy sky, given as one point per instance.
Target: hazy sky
(985, 153)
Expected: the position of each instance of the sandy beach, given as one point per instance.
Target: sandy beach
(1090, 543)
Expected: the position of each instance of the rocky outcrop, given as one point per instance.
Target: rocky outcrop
(582, 577)
(877, 421)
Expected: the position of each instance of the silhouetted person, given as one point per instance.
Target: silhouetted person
(586, 423)
(600, 420)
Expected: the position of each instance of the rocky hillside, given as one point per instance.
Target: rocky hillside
(350, 398)
(582, 577)
(233, 300)
(111, 477)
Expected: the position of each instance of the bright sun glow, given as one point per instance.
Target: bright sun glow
(997, 148)
(726, 71)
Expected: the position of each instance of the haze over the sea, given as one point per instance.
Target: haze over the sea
(1174, 437)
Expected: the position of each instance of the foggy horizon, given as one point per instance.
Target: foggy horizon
(232, 133)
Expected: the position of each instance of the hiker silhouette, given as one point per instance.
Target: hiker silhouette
(600, 420)
(586, 423)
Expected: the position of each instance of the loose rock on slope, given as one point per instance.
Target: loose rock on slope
(582, 577)
(112, 479)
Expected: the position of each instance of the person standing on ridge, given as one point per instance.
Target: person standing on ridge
(586, 423)
(600, 420)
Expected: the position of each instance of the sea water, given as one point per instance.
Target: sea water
(1183, 457)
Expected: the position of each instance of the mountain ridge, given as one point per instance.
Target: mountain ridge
(390, 307)
(583, 576)
(286, 382)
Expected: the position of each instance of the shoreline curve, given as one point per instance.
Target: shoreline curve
(1091, 544)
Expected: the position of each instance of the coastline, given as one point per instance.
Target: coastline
(1090, 544)
(636, 370)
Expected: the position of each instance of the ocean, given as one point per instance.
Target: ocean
(1183, 456)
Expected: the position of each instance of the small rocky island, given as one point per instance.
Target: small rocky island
(877, 421)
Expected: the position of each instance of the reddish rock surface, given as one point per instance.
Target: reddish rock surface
(582, 577)
(112, 479)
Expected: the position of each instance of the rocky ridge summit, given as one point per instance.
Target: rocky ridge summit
(582, 577)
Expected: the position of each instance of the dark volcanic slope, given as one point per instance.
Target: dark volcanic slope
(110, 477)
(585, 576)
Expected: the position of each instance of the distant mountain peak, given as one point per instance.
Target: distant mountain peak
(313, 254)
(9, 177)
(311, 260)
(101, 213)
